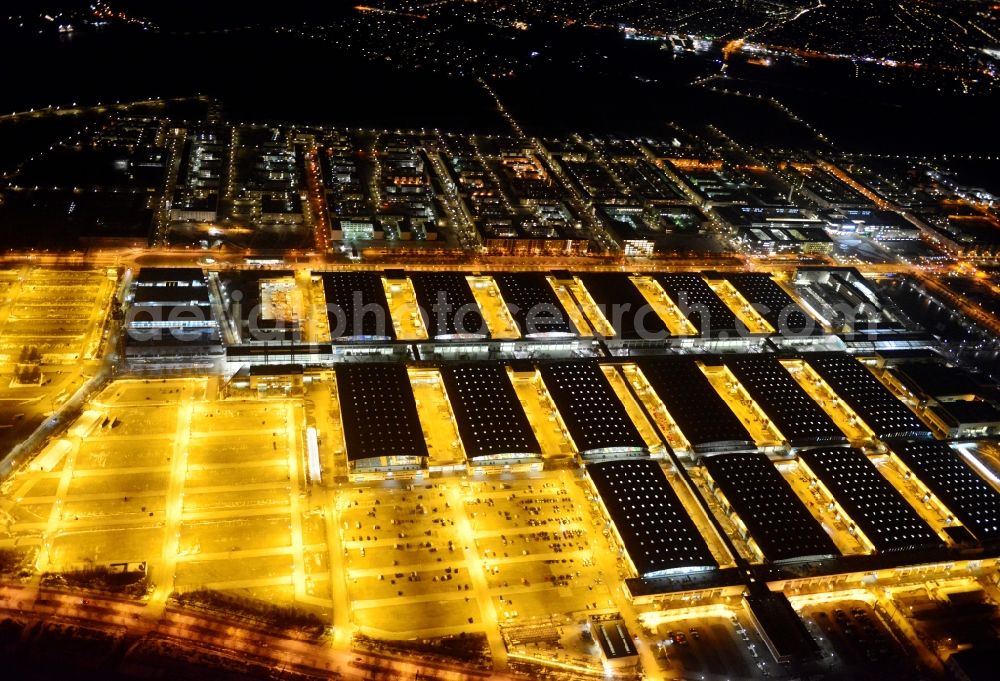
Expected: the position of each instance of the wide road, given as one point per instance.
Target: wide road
(296, 259)
(226, 638)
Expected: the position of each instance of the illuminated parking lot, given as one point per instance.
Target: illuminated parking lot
(406, 565)
(533, 536)
(61, 312)
(206, 491)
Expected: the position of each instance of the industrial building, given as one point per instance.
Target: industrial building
(491, 421)
(764, 507)
(873, 506)
(597, 421)
(171, 318)
(381, 425)
(652, 527)
(798, 418)
(874, 404)
(973, 502)
(702, 416)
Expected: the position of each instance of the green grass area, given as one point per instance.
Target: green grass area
(134, 584)
(284, 617)
(15, 562)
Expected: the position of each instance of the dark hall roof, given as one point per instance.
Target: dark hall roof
(775, 517)
(379, 412)
(490, 417)
(655, 528)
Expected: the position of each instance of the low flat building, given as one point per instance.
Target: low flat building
(157, 346)
(655, 532)
(248, 297)
(644, 231)
(615, 643)
(170, 317)
(159, 296)
(280, 209)
(973, 664)
(937, 381)
(777, 229)
(881, 225)
(772, 302)
(698, 302)
(969, 236)
(767, 512)
(494, 429)
(194, 207)
(382, 428)
(623, 306)
(596, 419)
(871, 504)
(956, 402)
(283, 379)
(533, 305)
(170, 276)
(534, 245)
(966, 418)
(357, 229)
(448, 305)
(797, 417)
(357, 308)
(973, 501)
(812, 240)
(784, 633)
(702, 416)
(874, 404)
(848, 303)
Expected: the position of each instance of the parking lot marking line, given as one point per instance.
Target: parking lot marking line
(236, 513)
(230, 585)
(44, 559)
(474, 566)
(438, 597)
(298, 559)
(338, 570)
(242, 554)
(174, 509)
